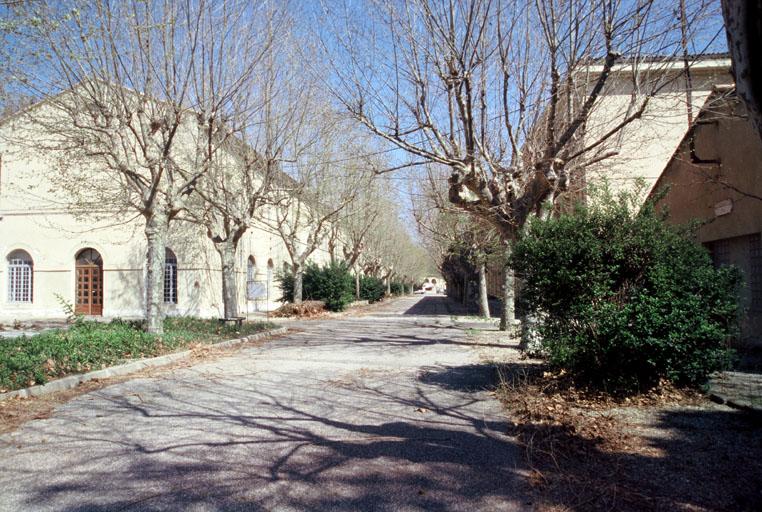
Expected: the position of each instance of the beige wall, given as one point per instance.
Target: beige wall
(706, 192)
(645, 145)
(35, 216)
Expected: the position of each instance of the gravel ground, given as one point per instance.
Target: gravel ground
(387, 411)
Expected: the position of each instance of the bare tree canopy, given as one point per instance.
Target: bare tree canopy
(500, 92)
(139, 95)
(503, 93)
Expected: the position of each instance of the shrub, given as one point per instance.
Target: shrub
(89, 345)
(285, 281)
(626, 300)
(372, 289)
(397, 288)
(332, 284)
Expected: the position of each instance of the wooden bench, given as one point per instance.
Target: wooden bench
(238, 320)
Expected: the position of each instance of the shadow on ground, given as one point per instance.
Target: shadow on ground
(702, 457)
(475, 377)
(288, 458)
(420, 448)
(441, 305)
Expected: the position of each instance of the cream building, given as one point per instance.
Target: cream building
(641, 150)
(94, 260)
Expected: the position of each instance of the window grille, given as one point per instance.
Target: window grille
(170, 278)
(20, 276)
(720, 252)
(755, 272)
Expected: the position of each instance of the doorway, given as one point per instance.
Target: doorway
(89, 293)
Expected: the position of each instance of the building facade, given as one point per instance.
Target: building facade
(56, 259)
(715, 178)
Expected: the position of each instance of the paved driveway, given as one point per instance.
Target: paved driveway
(381, 412)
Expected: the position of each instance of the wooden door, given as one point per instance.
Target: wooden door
(89, 293)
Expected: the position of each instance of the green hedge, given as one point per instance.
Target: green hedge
(372, 289)
(626, 300)
(332, 284)
(88, 345)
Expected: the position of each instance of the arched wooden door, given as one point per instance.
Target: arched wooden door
(89, 293)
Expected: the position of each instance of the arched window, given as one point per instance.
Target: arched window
(270, 270)
(251, 276)
(20, 276)
(170, 277)
(89, 257)
(251, 269)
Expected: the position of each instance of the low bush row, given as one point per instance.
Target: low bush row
(89, 345)
(334, 285)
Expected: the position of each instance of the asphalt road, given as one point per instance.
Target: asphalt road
(382, 412)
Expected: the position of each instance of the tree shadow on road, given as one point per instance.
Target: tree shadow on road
(634, 456)
(367, 447)
(415, 340)
(692, 460)
(473, 377)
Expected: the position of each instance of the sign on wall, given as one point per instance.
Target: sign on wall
(255, 290)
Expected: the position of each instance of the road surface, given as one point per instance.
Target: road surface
(386, 411)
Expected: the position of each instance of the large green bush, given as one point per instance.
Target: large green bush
(397, 288)
(626, 299)
(285, 281)
(332, 284)
(372, 288)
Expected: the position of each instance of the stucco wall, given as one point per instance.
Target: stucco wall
(704, 180)
(35, 215)
(645, 145)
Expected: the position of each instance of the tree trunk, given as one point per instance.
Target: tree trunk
(227, 251)
(507, 310)
(357, 285)
(483, 298)
(743, 25)
(389, 285)
(156, 230)
(298, 283)
(466, 291)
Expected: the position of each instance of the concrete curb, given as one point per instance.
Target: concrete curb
(72, 381)
(736, 403)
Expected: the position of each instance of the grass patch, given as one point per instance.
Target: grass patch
(88, 345)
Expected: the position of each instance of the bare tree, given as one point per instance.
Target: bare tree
(129, 104)
(389, 251)
(322, 181)
(502, 93)
(450, 232)
(357, 223)
(263, 129)
(230, 199)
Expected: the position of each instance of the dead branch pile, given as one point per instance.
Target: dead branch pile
(306, 309)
